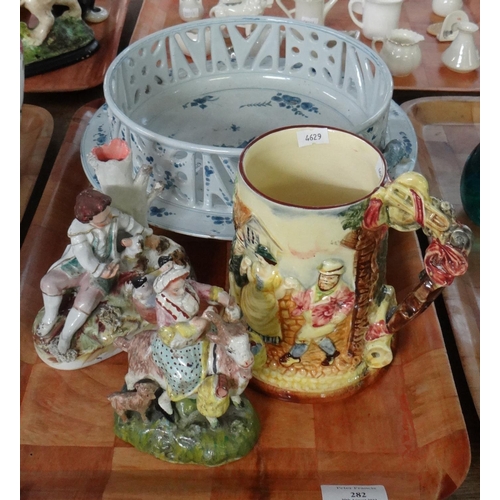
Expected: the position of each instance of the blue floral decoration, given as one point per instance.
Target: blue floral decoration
(201, 102)
(168, 181)
(219, 220)
(100, 137)
(156, 211)
(406, 143)
(287, 101)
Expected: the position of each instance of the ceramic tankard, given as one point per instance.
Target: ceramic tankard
(379, 17)
(310, 11)
(312, 207)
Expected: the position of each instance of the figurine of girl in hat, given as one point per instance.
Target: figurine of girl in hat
(178, 347)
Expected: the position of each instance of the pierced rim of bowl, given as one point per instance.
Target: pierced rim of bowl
(172, 30)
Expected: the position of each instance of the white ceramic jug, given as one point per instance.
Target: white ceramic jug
(400, 51)
(379, 17)
(191, 10)
(462, 55)
(311, 11)
(444, 7)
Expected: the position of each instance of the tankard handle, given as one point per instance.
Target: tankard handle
(405, 205)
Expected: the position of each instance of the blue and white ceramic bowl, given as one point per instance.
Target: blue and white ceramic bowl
(190, 97)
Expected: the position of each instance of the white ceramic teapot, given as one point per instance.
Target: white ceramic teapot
(400, 51)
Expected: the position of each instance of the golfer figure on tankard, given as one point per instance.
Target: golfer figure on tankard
(324, 306)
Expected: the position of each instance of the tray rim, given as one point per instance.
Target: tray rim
(465, 346)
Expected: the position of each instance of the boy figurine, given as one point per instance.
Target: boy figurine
(89, 263)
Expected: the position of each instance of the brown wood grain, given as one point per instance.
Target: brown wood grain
(89, 72)
(406, 431)
(448, 129)
(37, 126)
(416, 15)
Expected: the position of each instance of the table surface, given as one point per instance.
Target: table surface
(416, 15)
(63, 107)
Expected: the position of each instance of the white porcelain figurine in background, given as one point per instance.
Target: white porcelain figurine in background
(447, 30)
(241, 8)
(191, 10)
(400, 51)
(462, 55)
(311, 11)
(379, 17)
(444, 7)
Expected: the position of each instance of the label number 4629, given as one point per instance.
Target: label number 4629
(312, 137)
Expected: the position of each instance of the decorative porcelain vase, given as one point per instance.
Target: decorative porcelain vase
(311, 11)
(400, 51)
(112, 163)
(462, 55)
(191, 10)
(312, 207)
(379, 17)
(444, 7)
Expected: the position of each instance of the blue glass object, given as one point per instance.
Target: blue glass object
(470, 186)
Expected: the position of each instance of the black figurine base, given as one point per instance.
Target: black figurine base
(61, 61)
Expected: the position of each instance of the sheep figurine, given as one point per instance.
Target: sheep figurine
(138, 400)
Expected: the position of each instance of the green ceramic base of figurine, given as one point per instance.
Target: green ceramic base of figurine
(69, 41)
(188, 438)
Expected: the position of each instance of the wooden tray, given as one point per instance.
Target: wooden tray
(406, 431)
(89, 72)
(416, 15)
(37, 126)
(448, 130)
